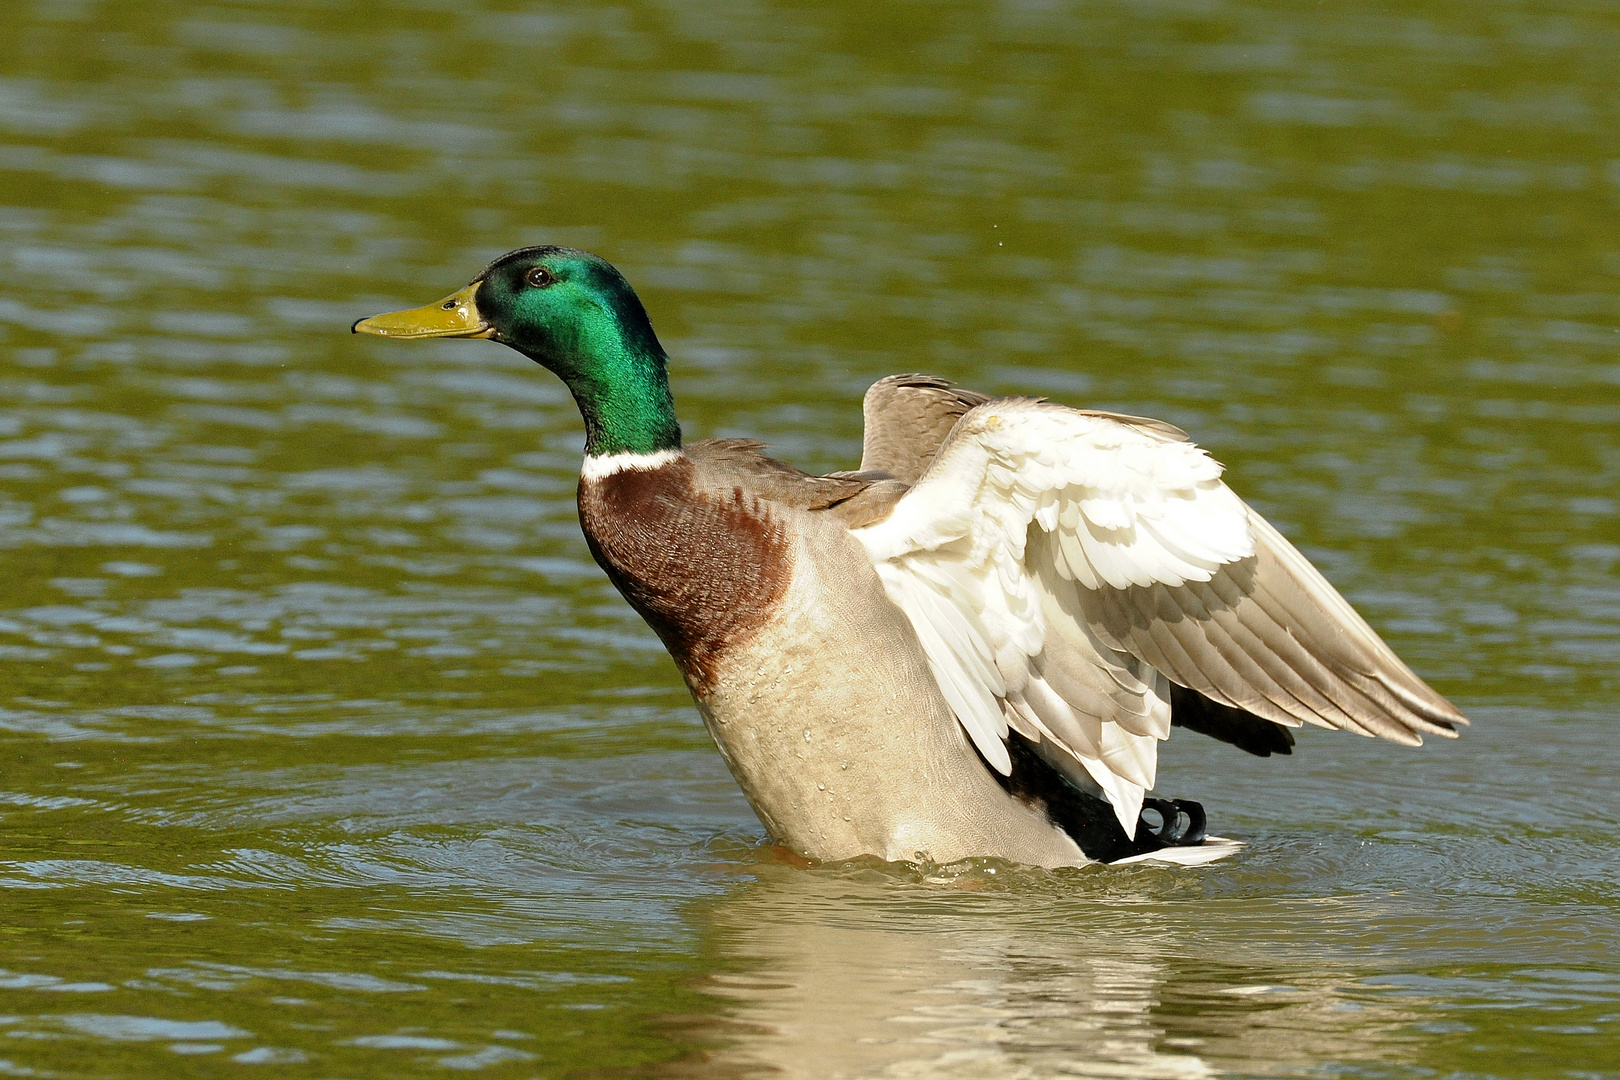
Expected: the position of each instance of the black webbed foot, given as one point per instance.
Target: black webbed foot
(1180, 821)
(1090, 819)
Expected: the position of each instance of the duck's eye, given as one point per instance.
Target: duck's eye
(540, 277)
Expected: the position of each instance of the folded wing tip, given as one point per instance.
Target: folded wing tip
(1444, 725)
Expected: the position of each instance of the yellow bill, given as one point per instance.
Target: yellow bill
(454, 316)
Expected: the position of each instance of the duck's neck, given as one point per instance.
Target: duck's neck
(618, 382)
(626, 405)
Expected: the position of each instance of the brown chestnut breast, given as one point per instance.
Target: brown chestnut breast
(705, 567)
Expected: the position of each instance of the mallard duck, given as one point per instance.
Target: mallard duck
(972, 645)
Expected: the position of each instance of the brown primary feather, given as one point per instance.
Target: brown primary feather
(1269, 636)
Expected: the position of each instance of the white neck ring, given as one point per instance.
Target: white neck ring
(602, 466)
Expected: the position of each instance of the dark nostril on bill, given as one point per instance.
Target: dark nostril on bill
(448, 305)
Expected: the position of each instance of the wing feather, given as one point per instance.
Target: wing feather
(1269, 635)
(1063, 567)
(907, 418)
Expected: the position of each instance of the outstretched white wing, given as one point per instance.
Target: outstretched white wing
(1060, 566)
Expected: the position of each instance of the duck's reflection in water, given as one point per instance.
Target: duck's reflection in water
(860, 975)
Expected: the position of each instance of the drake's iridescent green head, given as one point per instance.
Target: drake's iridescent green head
(576, 315)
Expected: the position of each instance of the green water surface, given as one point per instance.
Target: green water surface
(325, 751)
